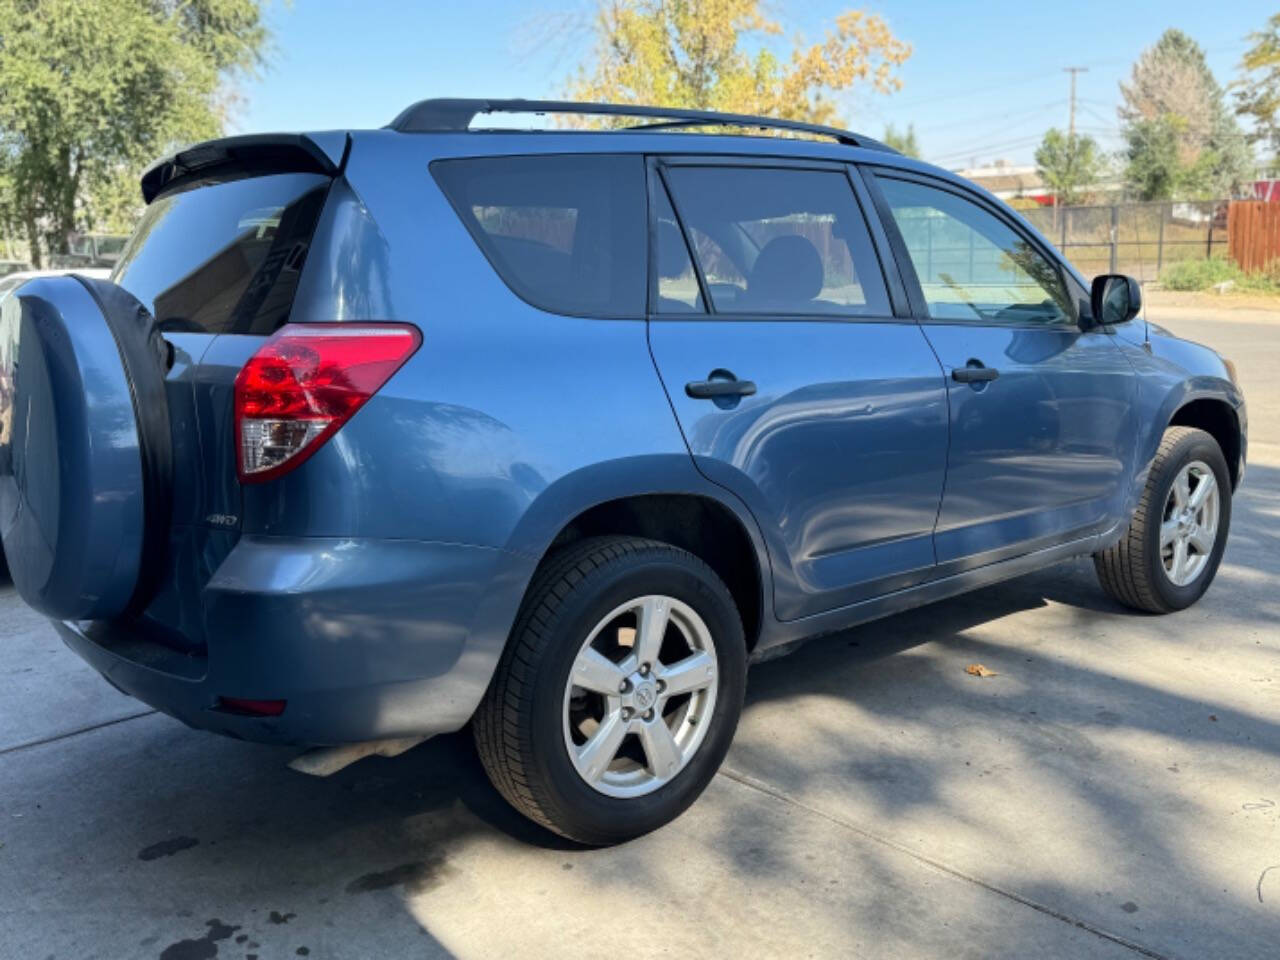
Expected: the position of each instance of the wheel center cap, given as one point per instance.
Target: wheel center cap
(646, 694)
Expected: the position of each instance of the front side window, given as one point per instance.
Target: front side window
(972, 266)
(780, 241)
(566, 233)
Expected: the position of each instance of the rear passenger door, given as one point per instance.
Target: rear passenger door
(799, 378)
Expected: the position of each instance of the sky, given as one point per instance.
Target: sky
(983, 82)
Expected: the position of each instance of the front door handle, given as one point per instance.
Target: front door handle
(717, 389)
(974, 372)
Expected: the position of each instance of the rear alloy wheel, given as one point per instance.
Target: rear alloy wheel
(1171, 551)
(618, 694)
(621, 695)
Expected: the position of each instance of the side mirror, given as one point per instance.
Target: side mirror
(1114, 299)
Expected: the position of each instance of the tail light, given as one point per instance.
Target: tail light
(305, 383)
(252, 708)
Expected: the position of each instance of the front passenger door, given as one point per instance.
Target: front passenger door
(1043, 423)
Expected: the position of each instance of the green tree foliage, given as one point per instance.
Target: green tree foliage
(1181, 140)
(1258, 93)
(718, 55)
(92, 90)
(1069, 164)
(905, 142)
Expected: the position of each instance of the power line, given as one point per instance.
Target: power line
(1009, 116)
(986, 148)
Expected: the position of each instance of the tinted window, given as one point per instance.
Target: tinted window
(677, 282)
(971, 264)
(568, 234)
(782, 241)
(224, 258)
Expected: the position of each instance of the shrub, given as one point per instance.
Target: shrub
(1200, 274)
(1266, 280)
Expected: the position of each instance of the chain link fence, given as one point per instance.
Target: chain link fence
(1139, 239)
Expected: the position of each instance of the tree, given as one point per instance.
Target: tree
(904, 143)
(92, 90)
(1181, 140)
(1068, 163)
(690, 53)
(1258, 93)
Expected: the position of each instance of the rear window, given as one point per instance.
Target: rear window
(224, 258)
(567, 234)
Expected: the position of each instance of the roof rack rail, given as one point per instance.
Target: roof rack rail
(455, 115)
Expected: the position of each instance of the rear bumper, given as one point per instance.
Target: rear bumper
(363, 640)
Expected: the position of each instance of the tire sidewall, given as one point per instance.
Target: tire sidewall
(1202, 447)
(600, 818)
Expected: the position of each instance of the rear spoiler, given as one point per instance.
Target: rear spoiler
(248, 155)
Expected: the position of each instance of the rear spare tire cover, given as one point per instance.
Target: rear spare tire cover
(85, 448)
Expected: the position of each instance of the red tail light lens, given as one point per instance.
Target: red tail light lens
(252, 708)
(305, 383)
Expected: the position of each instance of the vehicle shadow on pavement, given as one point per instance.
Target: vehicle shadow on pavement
(1108, 738)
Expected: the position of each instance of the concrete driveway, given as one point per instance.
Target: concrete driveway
(1114, 791)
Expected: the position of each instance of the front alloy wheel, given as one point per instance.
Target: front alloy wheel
(1189, 527)
(1168, 555)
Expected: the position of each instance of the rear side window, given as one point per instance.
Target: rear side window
(566, 233)
(779, 241)
(224, 258)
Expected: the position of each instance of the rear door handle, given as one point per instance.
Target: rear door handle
(975, 372)
(712, 389)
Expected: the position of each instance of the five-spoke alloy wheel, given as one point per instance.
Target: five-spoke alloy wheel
(622, 693)
(1168, 555)
(1190, 524)
(619, 691)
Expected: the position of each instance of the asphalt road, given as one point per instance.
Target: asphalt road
(1113, 792)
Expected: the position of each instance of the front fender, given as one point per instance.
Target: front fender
(1173, 373)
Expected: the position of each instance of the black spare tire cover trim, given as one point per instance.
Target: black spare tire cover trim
(146, 357)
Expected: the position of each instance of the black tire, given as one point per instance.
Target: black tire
(1131, 571)
(518, 727)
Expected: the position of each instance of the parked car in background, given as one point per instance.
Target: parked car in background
(11, 281)
(375, 435)
(13, 266)
(97, 249)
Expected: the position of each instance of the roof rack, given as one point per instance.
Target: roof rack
(455, 115)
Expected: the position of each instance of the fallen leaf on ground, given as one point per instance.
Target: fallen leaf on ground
(978, 670)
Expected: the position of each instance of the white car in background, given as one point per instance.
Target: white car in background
(11, 281)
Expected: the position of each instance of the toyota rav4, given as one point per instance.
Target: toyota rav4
(374, 435)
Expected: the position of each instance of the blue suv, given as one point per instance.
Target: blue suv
(373, 435)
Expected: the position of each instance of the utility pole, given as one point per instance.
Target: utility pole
(1071, 122)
